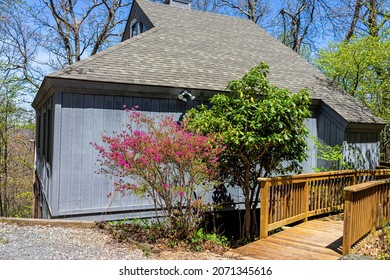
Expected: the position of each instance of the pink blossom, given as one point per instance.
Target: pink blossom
(157, 154)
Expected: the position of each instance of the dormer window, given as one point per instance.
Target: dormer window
(143, 27)
(135, 30)
(137, 27)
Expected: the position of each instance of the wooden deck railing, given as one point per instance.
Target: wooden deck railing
(367, 206)
(288, 199)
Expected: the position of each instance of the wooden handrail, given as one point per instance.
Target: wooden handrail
(310, 175)
(288, 199)
(367, 206)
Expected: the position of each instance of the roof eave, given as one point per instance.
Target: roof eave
(46, 86)
(99, 87)
(366, 127)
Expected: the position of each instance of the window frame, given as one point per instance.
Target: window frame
(134, 23)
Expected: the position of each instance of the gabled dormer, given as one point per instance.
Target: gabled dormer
(137, 22)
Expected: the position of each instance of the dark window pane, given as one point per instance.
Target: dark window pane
(134, 29)
(143, 27)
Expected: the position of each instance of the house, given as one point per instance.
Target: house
(168, 49)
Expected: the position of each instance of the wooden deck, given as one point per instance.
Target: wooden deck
(313, 240)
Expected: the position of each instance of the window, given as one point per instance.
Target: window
(38, 131)
(49, 138)
(143, 27)
(137, 27)
(134, 28)
(42, 130)
(46, 131)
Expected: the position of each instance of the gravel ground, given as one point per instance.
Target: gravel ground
(61, 243)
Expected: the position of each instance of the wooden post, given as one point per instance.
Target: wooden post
(354, 178)
(376, 213)
(264, 201)
(347, 231)
(36, 211)
(306, 199)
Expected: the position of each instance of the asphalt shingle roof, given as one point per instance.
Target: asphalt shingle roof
(199, 50)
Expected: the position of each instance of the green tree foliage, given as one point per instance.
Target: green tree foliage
(262, 126)
(16, 152)
(332, 154)
(362, 68)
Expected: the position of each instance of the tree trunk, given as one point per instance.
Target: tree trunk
(247, 217)
(355, 18)
(372, 18)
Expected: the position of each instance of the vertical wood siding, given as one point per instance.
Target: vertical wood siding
(310, 162)
(330, 132)
(362, 149)
(84, 118)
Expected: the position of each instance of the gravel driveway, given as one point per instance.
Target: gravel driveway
(45, 242)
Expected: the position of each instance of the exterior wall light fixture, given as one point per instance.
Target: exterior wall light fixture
(185, 95)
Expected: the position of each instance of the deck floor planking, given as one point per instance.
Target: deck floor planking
(313, 240)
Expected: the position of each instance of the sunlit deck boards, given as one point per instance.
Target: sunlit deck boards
(314, 240)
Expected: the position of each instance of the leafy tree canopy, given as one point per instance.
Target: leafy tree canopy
(361, 68)
(262, 127)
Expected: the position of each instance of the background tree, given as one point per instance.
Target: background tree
(19, 42)
(298, 17)
(206, 5)
(369, 18)
(361, 68)
(253, 10)
(262, 126)
(77, 28)
(16, 152)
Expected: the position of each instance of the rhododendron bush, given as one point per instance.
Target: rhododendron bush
(157, 159)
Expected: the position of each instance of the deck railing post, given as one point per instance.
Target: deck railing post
(376, 212)
(306, 199)
(347, 231)
(264, 202)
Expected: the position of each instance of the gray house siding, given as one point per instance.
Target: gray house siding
(331, 126)
(44, 153)
(79, 120)
(362, 149)
(331, 130)
(360, 145)
(310, 163)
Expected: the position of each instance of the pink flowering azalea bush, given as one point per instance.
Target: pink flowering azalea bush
(170, 166)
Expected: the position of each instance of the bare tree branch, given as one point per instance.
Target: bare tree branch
(254, 10)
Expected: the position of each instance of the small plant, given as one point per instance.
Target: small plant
(201, 240)
(142, 223)
(384, 237)
(158, 160)
(119, 222)
(333, 154)
(340, 157)
(3, 240)
(385, 243)
(172, 243)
